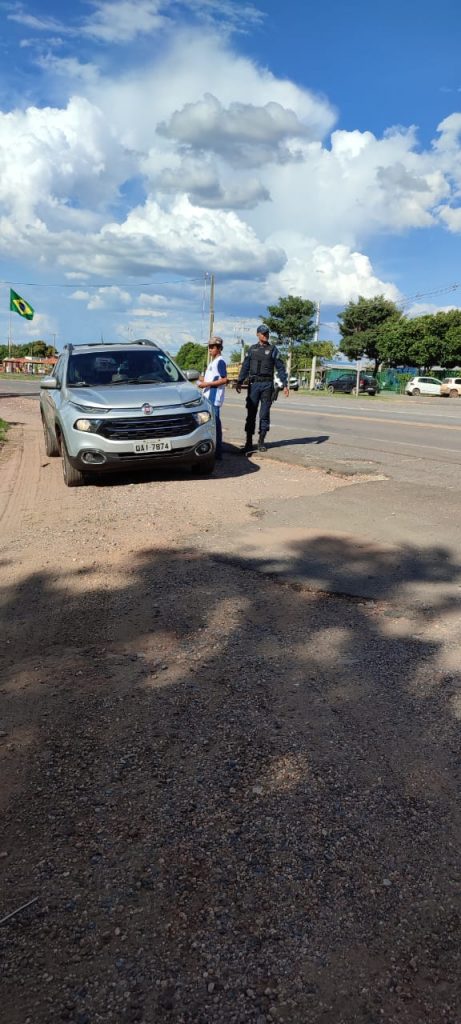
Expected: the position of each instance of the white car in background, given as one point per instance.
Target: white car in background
(293, 383)
(451, 387)
(423, 386)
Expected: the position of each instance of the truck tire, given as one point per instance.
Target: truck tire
(72, 477)
(51, 445)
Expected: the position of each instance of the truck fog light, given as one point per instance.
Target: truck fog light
(203, 448)
(93, 458)
(83, 425)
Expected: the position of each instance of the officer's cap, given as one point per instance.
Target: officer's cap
(262, 329)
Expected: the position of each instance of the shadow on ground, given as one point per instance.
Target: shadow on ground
(236, 801)
(18, 394)
(299, 440)
(233, 464)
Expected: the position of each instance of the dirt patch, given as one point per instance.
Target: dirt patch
(236, 801)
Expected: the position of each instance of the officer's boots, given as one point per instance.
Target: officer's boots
(262, 446)
(248, 446)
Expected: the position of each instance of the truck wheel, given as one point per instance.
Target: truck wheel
(51, 446)
(72, 477)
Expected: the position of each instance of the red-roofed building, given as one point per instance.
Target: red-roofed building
(28, 364)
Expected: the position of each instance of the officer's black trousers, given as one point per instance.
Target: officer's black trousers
(259, 394)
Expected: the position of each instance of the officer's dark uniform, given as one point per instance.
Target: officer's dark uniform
(258, 366)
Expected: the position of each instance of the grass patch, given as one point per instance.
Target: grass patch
(343, 394)
(21, 376)
(4, 427)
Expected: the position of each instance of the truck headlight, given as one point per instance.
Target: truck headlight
(89, 426)
(202, 417)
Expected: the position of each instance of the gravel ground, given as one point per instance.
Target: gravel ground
(236, 801)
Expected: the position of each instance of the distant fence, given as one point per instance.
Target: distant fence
(389, 380)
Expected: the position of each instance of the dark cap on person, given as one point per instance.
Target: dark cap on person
(262, 329)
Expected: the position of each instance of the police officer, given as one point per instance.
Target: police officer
(258, 366)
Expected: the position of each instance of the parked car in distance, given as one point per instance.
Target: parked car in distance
(451, 387)
(347, 383)
(423, 386)
(293, 383)
(109, 407)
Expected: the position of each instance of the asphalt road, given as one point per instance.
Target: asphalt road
(408, 439)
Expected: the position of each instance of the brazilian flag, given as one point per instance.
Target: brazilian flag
(18, 305)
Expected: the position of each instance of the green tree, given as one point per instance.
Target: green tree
(292, 320)
(303, 354)
(360, 324)
(235, 356)
(192, 356)
(33, 348)
(41, 348)
(452, 347)
(392, 342)
(424, 341)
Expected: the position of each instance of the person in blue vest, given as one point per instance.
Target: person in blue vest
(259, 366)
(213, 384)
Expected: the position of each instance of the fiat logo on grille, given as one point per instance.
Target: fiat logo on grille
(147, 409)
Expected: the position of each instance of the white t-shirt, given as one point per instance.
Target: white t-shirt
(216, 369)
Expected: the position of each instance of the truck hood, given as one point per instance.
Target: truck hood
(134, 396)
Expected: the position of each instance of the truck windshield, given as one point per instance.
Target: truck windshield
(105, 369)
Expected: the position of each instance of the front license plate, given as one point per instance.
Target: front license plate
(151, 446)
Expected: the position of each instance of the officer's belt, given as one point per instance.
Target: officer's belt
(259, 379)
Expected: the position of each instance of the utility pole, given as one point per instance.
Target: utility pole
(317, 323)
(211, 328)
(315, 340)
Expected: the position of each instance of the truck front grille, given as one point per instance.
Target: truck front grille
(139, 429)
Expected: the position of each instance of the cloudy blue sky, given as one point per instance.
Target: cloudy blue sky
(284, 147)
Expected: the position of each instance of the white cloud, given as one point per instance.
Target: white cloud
(333, 274)
(451, 217)
(123, 21)
(41, 24)
(187, 67)
(69, 68)
(422, 308)
(153, 300)
(242, 133)
(152, 313)
(202, 181)
(360, 186)
(67, 162)
(235, 16)
(183, 239)
(108, 298)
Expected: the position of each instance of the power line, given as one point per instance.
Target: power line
(448, 289)
(102, 284)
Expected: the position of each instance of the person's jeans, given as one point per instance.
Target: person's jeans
(217, 416)
(259, 393)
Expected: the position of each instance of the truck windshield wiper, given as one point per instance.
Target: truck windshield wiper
(137, 380)
(80, 384)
